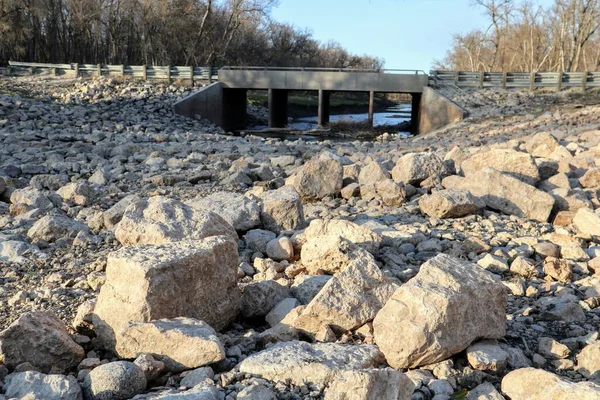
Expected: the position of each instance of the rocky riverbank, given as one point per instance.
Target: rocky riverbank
(144, 255)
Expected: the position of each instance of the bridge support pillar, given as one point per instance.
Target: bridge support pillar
(371, 107)
(234, 108)
(415, 112)
(324, 97)
(278, 108)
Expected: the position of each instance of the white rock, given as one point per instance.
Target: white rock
(239, 211)
(196, 279)
(34, 385)
(369, 384)
(180, 343)
(303, 363)
(417, 326)
(537, 384)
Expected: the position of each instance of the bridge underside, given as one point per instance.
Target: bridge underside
(224, 103)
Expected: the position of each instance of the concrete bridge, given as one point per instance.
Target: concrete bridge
(224, 102)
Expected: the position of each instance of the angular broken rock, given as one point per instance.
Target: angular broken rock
(180, 343)
(53, 227)
(450, 203)
(160, 220)
(327, 254)
(414, 168)
(34, 385)
(372, 173)
(350, 299)
(41, 339)
(196, 279)
(504, 193)
(514, 163)
(282, 210)
(588, 361)
(370, 384)
(320, 177)
(238, 210)
(359, 235)
(537, 384)
(440, 312)
(587, 221)
(113, 215)
(487, 355)
(259, 298)
(303, 363)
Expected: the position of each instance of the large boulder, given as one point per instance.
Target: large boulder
(34, 385)
(537, 384)
(587, 221)
(40, 339)
(370, 384)
(357, 234)
(372, 173)
(238, 210)
(196, 279)
(320, 177)
(53, 227)
(440, 312)
(514, 163)
(302, 363)
(282, 210)
(588, 361)
(414, 168)
(450, 203)
(351, 298)
(119, 380)
(159, 220)
(180, 343)
(541, 144)
(505, 194)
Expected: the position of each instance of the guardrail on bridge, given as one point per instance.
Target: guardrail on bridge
(517, 80)
(144, 72)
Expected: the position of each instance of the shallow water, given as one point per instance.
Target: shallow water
(391, 116)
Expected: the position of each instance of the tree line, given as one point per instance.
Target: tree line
(523, 36)
(163, 32)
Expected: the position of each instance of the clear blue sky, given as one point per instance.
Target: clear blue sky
(408, 34)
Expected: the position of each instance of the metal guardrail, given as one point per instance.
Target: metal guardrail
(311, 69)
(144, 72)
(517, 80)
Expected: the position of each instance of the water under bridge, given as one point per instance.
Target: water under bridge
(224, 103)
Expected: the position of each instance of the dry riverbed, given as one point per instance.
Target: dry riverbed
(144, 255)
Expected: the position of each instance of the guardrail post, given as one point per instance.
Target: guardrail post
(168, 74)
(53, 71)
(192, 76)
(559, 82)
(504, 77)
(145, 72)
(456, 77)
(481, 78)
(532, 82)
(99, 70)
(32, 71)
(10, 70)
(122, 71)
(584, 81)
(76, 70)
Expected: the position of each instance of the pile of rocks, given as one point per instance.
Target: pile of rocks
(144, 258)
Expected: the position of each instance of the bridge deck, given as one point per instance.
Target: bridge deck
(324, 79)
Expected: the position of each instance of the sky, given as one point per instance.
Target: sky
(408, 34)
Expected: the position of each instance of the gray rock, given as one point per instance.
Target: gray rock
(53, 227)
(259, 298)
(119, 380)
(282, 210)
(34, 385)
(41, 339)
(303, 363)
(320, 177)
(238, 210)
